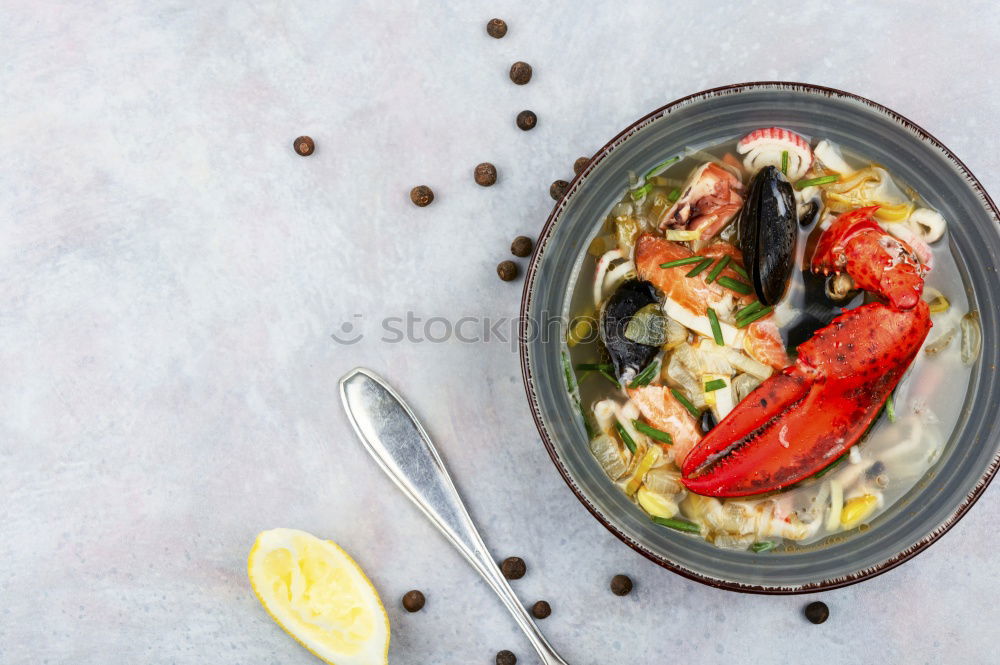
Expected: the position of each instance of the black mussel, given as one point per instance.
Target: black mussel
(809, 212)
(628, 357)
(707, 421)
(767, 231)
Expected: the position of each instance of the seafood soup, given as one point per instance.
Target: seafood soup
(771, 342)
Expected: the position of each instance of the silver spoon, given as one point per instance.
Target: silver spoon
(402, 448)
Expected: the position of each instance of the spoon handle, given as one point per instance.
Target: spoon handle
(394, 437)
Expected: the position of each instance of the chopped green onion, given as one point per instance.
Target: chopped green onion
(890, 407)
(743, 322)
(683, 262)
(653, 433)
(594, 367)
(764, 545)
(740, 271)
(674, 195)
(607, 375)
(641, 192)
(645, 376)
(784, 162)
(698, 268)
(570, 383)
(823, 472)
(748, 310)
(626, 438)
(719, 267)
(660, 168)
(685, 402)
(822, 180)
(714, 384)
(680, 525)
(713, 319)
(735, 285)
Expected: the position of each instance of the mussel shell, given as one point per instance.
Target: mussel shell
(627, 357)
(767, 232)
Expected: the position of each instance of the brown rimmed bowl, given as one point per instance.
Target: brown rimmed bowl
(970, 458)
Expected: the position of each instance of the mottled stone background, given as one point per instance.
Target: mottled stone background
(171, 273)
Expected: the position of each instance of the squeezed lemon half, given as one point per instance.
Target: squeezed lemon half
(317, 593)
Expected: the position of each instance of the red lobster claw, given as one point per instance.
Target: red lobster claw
(799, 421)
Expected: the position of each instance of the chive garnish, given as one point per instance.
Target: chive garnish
(719, 267)
(748, 310)
(607, 375)
(660, 168)
(714, 384)
(822, 180)
(625, 437)
(735, 285)
(680, 525)
(890, 407)
(763, 546)
(640, 192)
(674, 195)
(594, 367)
(698, 268)
(679, 396)
(823, 472)
(784, 162)
(683, 262)
(645, 376)
(740, 271)
(713, 320)
(653, 433)
(750, 318)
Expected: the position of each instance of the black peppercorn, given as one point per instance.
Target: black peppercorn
(817, 612)
(527, 120)
(558, 188)
(513, 567)
(520, 72)
(541, 609)
(485, 174)
(621, 585)
(421, 195)
(496, 28)
(304, 146)
(413, 601)
(521, 246)
(580, 164)
(506, 658)
(507, 270)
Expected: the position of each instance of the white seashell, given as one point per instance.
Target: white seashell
(928, 223)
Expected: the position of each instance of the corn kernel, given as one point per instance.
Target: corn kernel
(857, 510)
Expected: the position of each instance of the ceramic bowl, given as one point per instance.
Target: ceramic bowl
(971, 456)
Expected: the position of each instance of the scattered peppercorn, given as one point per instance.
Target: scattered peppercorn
(541, 609)
(421, 195)
(413, 601)
(817, 612)
(580, 164)
(485, 174)
(304, 145)
(527, 120)
(507, 270)
(520, 72)
(621, 585)
(521, 246)
(558, 188)
(506, 658)
(496, 28)
(513, 567)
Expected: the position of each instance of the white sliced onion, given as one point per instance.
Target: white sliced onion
(700, 324)
(829, 155)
